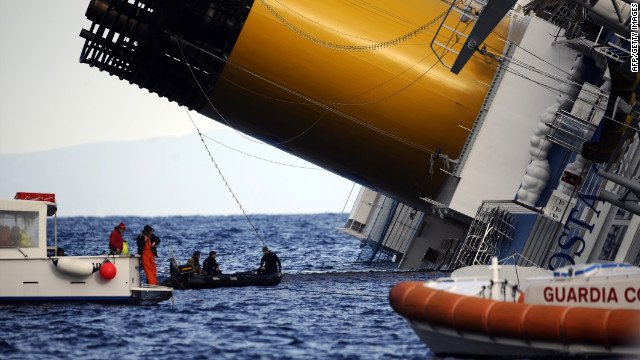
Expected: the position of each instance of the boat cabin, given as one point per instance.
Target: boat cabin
(23, 225)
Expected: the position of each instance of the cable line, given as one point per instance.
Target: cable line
(330, 292)
(345, 204)
(322, 25)
(223, 179)
(177, 281)
(259, 158)
(558, 91)
(195, 78)
(505, 61)
(310, 100)
(374, 9)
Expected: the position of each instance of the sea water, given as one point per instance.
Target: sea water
(327, 306)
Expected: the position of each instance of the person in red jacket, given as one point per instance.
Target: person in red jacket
(116, 240)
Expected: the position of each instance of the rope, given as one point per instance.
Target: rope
(532, 54)
(558, 91)
(322, 25)
(556, 79)
(513, 255)
(329, 106)
(345, 204)
(388, 13)
(353, 48)
(178, 282)
(106, 258)
(203, 66)
(399, 91)
(346, 48)
(504, 59)
(309, 127)
(308, 99)
(225, 120)
(223, 179)
(195, 78)
(333, 292)
(307, 102)
(257, 157)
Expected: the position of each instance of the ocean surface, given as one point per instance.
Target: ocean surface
(327, 306)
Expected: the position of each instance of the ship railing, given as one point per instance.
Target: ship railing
(492, 228)
(611, 47)
(464, 29)
(455, 29)
(613, 51)
(569, 131)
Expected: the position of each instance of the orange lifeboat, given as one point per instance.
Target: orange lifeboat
(439, 314)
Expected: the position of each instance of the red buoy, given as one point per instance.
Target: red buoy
(108, 271)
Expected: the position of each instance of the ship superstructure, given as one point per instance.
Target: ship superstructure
(527, 145)
(549, 172)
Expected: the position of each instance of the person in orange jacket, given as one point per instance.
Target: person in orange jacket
(147, 242)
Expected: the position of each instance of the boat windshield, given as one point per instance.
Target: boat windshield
(19, 229)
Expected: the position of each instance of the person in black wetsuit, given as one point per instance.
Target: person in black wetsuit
(210, 265)
(269, 263)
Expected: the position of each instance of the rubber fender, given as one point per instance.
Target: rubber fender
(75, 267)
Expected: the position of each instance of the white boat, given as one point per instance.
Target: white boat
(591, 310)
(29, 274)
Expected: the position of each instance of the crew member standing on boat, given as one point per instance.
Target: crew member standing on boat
(194, 262)
(269, 263)
(210, 265)
(115, 240)
(147, 242)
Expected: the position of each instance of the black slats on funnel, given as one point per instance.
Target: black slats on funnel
(138, 40)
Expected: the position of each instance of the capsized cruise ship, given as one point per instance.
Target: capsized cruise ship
(476, 128)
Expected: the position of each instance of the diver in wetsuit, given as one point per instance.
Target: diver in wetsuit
(194, 261)
(210, 265)
(269, 263)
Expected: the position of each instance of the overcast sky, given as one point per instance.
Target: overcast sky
(48, 101)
